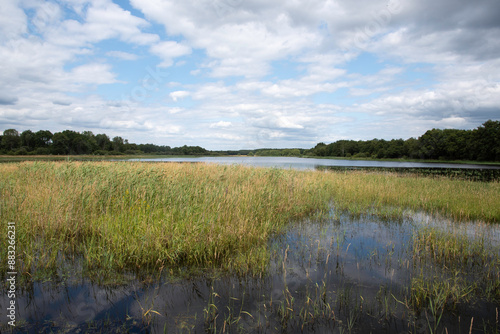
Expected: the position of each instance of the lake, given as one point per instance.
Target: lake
(312, 163)
(327, 271)
(335, 274)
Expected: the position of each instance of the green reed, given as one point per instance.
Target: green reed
(458, 267)
(111, 217)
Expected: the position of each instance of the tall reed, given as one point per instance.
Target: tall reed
(123, 216)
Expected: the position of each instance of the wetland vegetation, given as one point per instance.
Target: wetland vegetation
(203, 247)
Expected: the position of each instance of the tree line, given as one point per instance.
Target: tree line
(480, 144)
(44, 142)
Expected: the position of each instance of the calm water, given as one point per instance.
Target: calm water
(310, 163)
(347, 272)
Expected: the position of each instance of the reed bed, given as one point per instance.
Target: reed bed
(113, 217)
(458, 267)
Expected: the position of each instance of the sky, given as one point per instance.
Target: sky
(244, 74)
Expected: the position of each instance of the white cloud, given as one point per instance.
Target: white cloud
(47, 14)
(241, 44)
(13, 20)
(122, 55)
(280, 120)
(92, 74)
(102, 20)
(169, 50)
(227, 136)
(212, 91)
(180, 94)
(260, 73)
(220, 124)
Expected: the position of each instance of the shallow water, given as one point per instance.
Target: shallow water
(335, 274)
(312, 163)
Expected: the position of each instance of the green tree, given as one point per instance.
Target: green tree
(11, 139)
(411, 147)
(291, 152)
(103, 142)
(81, 144)
(395, 149)
(71, 142)
(91, 141)
(486, 141)
(482, 143)
(319, 149)
(432, 144)
(455, 143)
(118, 144)
(43, 138)
(28, 140)
(148, 148)
(60, 143)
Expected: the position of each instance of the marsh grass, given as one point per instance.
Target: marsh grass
(456, 267)
(119, 217)
(137, 217)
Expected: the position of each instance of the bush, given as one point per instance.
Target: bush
(361, 155)
(21, 151)
(133, 152)
(42, 151)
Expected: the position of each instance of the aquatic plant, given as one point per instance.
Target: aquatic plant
(112, 217)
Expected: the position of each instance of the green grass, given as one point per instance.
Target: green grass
(111, 217)
(455, 267)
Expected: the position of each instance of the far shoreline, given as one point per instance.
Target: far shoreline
(76, 157)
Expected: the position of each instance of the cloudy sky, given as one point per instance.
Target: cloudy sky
(235, 74)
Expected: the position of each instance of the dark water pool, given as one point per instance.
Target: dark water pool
(336, 274)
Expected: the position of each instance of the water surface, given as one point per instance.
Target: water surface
(312, 163)
(330, 275)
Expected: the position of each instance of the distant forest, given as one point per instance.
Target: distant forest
(481, 144)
